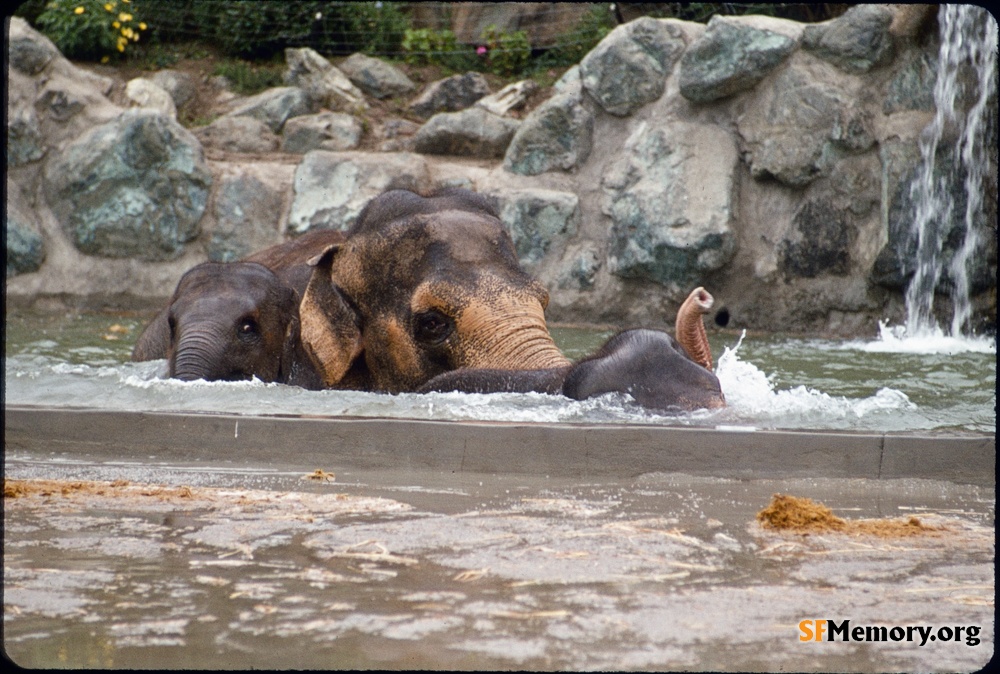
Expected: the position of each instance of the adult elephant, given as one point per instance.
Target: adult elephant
(232, 321)
(659, 371)
(427, 294)
(423, 286)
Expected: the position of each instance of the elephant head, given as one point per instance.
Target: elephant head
(657, 370)
(229, 322)
(213, 294)
(423, 286)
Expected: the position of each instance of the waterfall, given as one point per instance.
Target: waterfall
(954, 155)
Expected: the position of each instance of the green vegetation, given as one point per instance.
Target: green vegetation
(91, 29)
(260, 31)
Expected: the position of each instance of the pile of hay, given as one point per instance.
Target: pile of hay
(804, 516)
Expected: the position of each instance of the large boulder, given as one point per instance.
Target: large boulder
(238, 134)
(331, 188)
(276, 106)
(536, 219)
(375, 77)
(323, 131)
(326, 84)
(856, 41)
(556, 136)
(473, 132)
(134, 187)
(795, 121)
(629, 67)
(246, 209)
(25, 246)
(731, 56)
(450, 94)
(670, 197)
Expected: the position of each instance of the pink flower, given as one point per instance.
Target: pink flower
(480, 50)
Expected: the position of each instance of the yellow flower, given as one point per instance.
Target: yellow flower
(105, 59)
(121, 47)
(78, 10)
(123, 17)
(116, 25)
(108, 7)
(142, 26)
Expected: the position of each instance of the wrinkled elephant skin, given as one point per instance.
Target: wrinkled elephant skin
(423, 286)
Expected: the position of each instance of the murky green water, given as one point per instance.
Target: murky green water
(770, 381)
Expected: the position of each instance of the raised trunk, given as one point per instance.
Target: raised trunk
(690, 329)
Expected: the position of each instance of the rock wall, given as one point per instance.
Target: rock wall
(767, 160)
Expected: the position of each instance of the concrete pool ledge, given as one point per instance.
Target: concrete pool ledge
(558, 450)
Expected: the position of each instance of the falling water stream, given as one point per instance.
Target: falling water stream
(965, 100)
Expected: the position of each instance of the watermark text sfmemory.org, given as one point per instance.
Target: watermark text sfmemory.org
(831, 630)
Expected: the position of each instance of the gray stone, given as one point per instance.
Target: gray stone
(580, 268)
(246, 211)
(25, 247)
(511, 97)
(789, 129)
(670, 198)
(25, 140)
(324, 82)
(276, 106)
(238, 134)
(557, 135)
(180, 85)
(375, 77)
(473, 132)
(28, 50)
(450, 94)
(629, 67)
(728, 58)
(819, 244)
(144, 93)
(912, 87)
(134, 187)
(536, 218)
(331, 188)
(323, 131)
(856, 41)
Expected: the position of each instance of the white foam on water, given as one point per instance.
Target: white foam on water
(931, 340)
(752, 394)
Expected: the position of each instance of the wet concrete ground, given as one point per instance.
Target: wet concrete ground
(133, 564)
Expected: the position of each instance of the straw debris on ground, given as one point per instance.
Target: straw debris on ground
(804, 516)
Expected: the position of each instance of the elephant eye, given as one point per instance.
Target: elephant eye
(432, 327)
(247, 328)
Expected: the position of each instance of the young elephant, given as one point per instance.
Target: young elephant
(658, 371)
(230, 321)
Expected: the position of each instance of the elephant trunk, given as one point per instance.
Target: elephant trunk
(690, 329)
(198, 355)
(512, 339)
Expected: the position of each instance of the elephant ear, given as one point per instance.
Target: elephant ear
(329, 326)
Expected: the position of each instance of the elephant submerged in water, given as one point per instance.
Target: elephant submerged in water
(658, 371)
(237, 320)
(426, 294)
(423, 294)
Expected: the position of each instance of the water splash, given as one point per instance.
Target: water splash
(896, 339)
(964, 97)
(752, 394)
